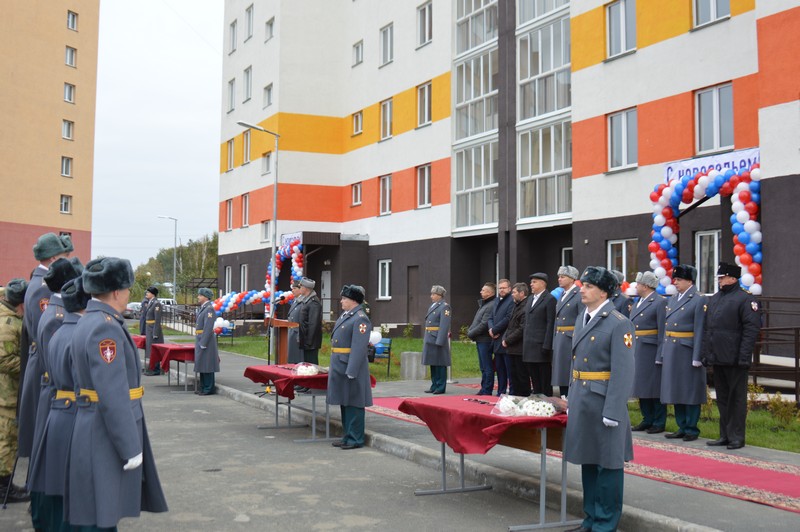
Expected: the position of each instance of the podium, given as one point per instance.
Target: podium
(280, 328)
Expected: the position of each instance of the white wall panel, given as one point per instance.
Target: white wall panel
(779, 133)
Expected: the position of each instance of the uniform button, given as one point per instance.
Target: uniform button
(573, 357)
(586, 360)
(592, 338)
(584, 383)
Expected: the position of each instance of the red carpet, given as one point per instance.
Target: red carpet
(727, 474)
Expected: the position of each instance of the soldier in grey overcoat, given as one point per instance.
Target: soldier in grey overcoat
(348, 377)
(598, 434)
(112, 471)
(683, 377)
(152, 331)
(206, 353)
(294, 355)
(567, 309)
(648, 315)
(436, 342)
(143, 316)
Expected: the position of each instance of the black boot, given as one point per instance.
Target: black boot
(15, 493)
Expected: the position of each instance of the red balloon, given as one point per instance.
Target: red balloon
(654, 196)
(661, 187)
(653, 247)
(687, 196)
(661, 254)
(667, 213)
(756, 165)
(754, 268)
(751, 207)
(726, 190)
(746, 259)
(666, 263)
(746, 177)
(217, 330)
(758, 279)
(691, 184)
(734, 180)
(735, 239)
(744, 196)
(738, 249)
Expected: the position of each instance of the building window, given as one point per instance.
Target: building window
(424, 186)
(424, 104)
(231, 95)
(67, 129)
(228, 279)
(358, 122)
(266, 231)
(384, 279)
(246, 147)
(387, 44)
(243, 278)
(66, 204)
(248, 22)
(621, 27)
(545, 170)
(69, 92)
(622, 256)
(248, 83)
(476, 23)
(715, 118)
(623, 143)
(386, 119)
(229, 214)
(532, 9)
(72, 20)
(245, 210)
(386, 194)
(232, 37)
(269, 29)
(424, 23)
(476, 185)
(707, 252)
(355, 194)
(358, 53)
(566, 256)
(266, 163)
(268, 95)
(229, 165)
(66, 166)
(71, 57)
(544, 70)
(476, 95)
(706, 11)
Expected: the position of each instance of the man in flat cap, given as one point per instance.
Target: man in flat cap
(12, 303)
(732, 324)
(648, 316)
(348, 379)
(110, 433)
(537, 345)
(436, 343)
(310, 329)
(152, 330)
(683, 377)
(206, 353)
(294, 355)
(567, 310)
(598, 435)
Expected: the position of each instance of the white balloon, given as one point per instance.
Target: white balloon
(667, 192)
(737, 261)
(755, 237)
(673, 239)
(713, 173)
(737, 207)
(660, 272)
(699, 192)
(663, 201)
(375, 337)
(755, 174)
(665, 281)
(671, 290)
(703, 180)
(218, 322)
(666, 231)
(755, 289)
(226, 323)
(748, 279)
(657, 209)
(659, 219)
(653, 256)
(742, 216)
(742, 186)
(752, 226)
(654, 264)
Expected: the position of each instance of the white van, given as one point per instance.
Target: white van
(167, 302)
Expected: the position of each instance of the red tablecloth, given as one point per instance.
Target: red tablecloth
(139, 340)
(164, 353)
(468, 427)
(285, 381)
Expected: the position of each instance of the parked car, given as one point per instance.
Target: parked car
(167, 302)
(132, 310)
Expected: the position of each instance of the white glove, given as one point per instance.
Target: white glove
(133, 463)
(350, 377)
(202, 347)
(696, 364)
(610, 422)
(658, 363)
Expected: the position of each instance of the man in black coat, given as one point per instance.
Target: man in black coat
(310, 320)
(732, 324)
(537, 347)
(498, 322)
(513, 337)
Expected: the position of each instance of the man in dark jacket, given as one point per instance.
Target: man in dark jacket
(479, 333)
(498, 322)
(537, 347)
(733, 321)
(310, 329)
(512, 339)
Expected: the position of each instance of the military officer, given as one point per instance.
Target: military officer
(206, 354)
(143, 315)
(294, 355)
(153, 333)
(567, 309)
(598, 432)
(436, 345)
(620, 300)
(348, 378)
(733, 321)
(110, 434)
(648, 315)
(310, 330)
(683, 377)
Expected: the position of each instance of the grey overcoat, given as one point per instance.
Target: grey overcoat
(567, 309)
(351, 332)
(293, 334)
(206, 353)
(436, 343)
(682, 383)
(153, 333)
(648, 319)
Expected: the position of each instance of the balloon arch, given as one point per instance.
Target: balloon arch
(744, 187)
(291, 251)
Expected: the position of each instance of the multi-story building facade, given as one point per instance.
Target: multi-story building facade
(455, 142)
(49, 72)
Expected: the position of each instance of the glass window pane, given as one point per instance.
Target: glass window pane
(494, 65)
(477, 168)
(705, 116)
(567, 42)
(703, 11)
(477, 89)
(633, 140)
(563, 89)
(528, 101)
(525, 155)
(558, 148)
(478, 116)
(535, 153)
(524, 58)
(631, 261)
(459, 84)
(462, 122)
(491, 113)
(564, 193)
(615, 125)
(568, 144)
(534, 52)
(547, 48)
(476, 207)
(468, 81)
(476, 35)
(630, 24)
(614, 30)
(495, 160)
(460, 171)
(487, 165)
(726, 116)
(492, 205)
(462, 210)
(527, 202)
(558, 57)
(462, 37)
(723, 8)
(547, 162)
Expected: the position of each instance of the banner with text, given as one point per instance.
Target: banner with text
(738, 160)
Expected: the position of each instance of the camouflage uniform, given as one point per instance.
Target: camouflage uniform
(10, 332)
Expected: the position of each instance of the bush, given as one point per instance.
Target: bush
(783, 412)
(408, 330)
(754, 393)
(707, 409)
(462, 335)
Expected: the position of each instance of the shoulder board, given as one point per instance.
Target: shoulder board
(361, 314)
(617, 314)
(745, 290)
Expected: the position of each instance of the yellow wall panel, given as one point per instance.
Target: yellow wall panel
(658, 21)
(404, 110)
(440, 100)
(588, 38)
(742, 6)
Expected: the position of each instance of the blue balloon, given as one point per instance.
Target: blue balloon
(729, 174)
(755, 197)
(672, 253)
(758, 257)
(733, 219)
(665, 245)
(378, 348)
(657, 228)
(755, 186)
(661, 289)
(678, 191)
(744, 237)
(737, 228)
(657, 237)
(711, 190)
(685, 179)
(719, 181)
(674, 262)
(752, 248)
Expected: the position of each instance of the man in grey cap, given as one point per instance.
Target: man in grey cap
(310, 330)
(206, 353)
(648, 316)
(436, 343)
(567, 309)
(294, 355)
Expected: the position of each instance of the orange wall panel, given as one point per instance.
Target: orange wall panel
(745, 111)
(589, 147)
(666, 129)
(779, 57)
(440, 182)
(222, 218)
(404, 190)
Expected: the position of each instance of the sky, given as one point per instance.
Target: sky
(157, 129)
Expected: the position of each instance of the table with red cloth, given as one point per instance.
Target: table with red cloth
(465, 423)
(140, 340)
(166, 353)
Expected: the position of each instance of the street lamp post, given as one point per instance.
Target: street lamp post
(272, 277)
(174, 257)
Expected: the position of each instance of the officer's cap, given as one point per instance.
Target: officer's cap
(601, 278)
(61, 271)
(354, 292)
(569, 271)
(105, 275)
(206, 292)
(686, 272)
(73, 296)
(729, 270)
(49, 245)
(15, 291)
